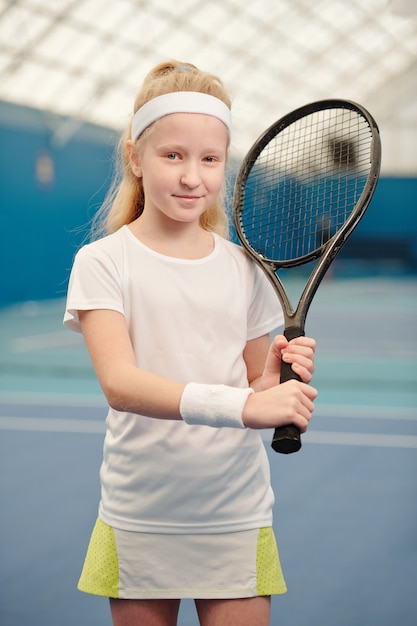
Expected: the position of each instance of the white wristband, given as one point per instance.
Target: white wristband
(214, 405)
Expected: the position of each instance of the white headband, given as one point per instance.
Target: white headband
(179, 102)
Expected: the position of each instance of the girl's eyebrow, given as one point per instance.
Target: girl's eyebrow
(170, 146)
(173, 147)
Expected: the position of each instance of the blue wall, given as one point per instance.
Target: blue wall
(41, 226)
(388, 229)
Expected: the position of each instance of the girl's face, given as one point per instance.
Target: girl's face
(182, 164)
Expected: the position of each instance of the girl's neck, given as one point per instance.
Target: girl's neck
(183, 241)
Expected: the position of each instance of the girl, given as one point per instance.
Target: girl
(176, 319)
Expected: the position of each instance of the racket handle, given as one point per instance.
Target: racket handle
(287, 438)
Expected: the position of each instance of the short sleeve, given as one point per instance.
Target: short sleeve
(95, 283)
(265, 312)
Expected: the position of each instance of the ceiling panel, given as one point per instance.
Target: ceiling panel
(87, 58)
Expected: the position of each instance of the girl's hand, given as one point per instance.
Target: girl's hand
(289, 403)
(299, 353)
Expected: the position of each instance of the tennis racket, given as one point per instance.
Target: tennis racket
(299, 193)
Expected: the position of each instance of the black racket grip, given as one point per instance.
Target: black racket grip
(287, 439)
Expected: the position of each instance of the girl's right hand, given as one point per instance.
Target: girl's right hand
(288, 403)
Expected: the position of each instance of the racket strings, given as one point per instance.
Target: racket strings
(305, 184)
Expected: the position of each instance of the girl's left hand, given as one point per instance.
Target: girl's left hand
(299, 353)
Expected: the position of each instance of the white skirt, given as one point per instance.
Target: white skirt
(130, 565)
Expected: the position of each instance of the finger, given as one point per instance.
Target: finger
(279, 344)
(304, 370)
(307, 342)
(274, 356)
(303, 417)
(294, 348)
(302, 420)
(310, 391)
(304, 359)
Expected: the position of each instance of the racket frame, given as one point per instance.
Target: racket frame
(295, 318)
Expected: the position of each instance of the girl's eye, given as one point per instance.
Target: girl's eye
(172, 156)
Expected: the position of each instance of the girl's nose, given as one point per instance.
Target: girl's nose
(191, 176)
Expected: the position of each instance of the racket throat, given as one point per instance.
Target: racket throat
(291, 332)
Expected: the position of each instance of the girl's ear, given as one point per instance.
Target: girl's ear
(134, 158)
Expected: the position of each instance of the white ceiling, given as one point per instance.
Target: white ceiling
(86, 58)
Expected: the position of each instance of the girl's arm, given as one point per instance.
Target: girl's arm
(255, 356)
(126, 387)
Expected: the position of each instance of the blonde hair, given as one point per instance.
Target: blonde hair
(125, 200)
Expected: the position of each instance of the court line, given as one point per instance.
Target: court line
(51, 425)
(53, 399)
(344, 411)
(376, 440)
(45, 341)
(369, 412)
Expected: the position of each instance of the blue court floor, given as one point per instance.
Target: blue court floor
(346, 504)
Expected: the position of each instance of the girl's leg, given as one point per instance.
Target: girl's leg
(235, 612)
(144, 612)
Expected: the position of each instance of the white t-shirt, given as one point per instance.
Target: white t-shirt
(188, 320)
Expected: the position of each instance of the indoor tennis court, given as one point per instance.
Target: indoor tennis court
(345, 514)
